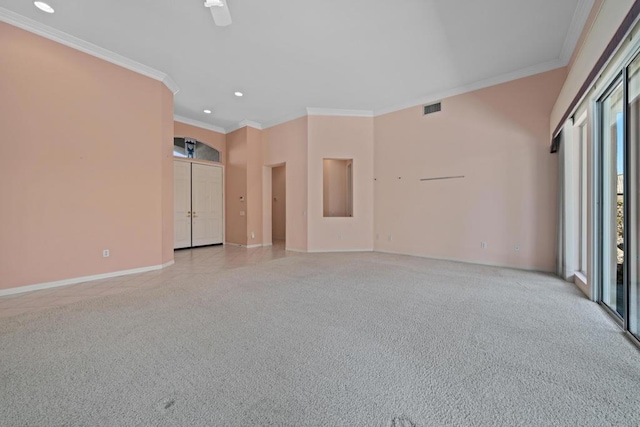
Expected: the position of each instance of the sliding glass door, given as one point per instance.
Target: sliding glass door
(619, 194)
(633, 216)
(613, 198)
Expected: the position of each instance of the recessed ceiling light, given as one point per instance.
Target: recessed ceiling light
(238, 94)
(207, 111)
(43, 6)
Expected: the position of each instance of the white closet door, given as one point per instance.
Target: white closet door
(206, 202)
(181, 205)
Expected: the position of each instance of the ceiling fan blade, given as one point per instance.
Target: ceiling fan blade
(221, 15)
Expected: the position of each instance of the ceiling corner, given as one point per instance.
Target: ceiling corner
(580, 16)
(198, 124)
(76, 43)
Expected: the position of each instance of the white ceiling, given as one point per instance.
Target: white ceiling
(286, 55)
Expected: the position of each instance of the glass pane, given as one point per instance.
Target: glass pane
(178, 147)
(204, 152)
(613, 200)
(634, 196)
(190, 147)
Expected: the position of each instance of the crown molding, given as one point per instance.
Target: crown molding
(244, 123)
(199, 124)
(503, 78)
(437, 96)
(338, 112)
(578, 21)
(284, 119)
(73, 42)
(233, 128)
(170, 84)
(250, 124)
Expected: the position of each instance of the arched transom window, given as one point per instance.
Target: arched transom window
(190, 148)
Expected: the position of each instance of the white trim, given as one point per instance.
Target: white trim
(493, 81)
(244, 123)
(465, 261)
(580, 281)
(169, 83)
(232, 128)
(302, 251)
(327, 251)
(580, 121)
(578, 21)
(593, 215)
(238, 245)
(251, 124)
(627, 50)
(434, 97)
(577, 24)
(284, 119)
(61, 37)
(338, 112)
(198, 124)
(66, 282)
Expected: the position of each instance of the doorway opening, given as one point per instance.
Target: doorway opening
(279, 205)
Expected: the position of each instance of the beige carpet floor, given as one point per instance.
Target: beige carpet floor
(360, 339)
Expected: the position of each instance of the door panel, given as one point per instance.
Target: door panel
(633, 197)
(181, 205)
(206, 204)
(613, 199)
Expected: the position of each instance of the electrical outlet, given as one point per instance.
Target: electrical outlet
(390, 237)
(105, 253)
(483, 245)
(253, 235)
(517, 247)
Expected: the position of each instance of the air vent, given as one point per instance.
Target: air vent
(433, 108)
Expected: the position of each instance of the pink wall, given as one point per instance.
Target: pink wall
(83, 161)
(498, 139)
(341, 138)
(254, 186)
(279, 202)
(236, 187)
(166, 152)
(209, 137)
(287, 144)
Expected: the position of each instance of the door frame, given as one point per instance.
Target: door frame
(224, 185)
(617, 79)
(267, 204)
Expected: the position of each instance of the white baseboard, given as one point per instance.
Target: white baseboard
(295, 250)
(238, 245)
(581, 283)
(466, 261)
(73, 281)
(327, 251)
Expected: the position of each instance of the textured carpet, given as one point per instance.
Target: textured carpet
(324, 339)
